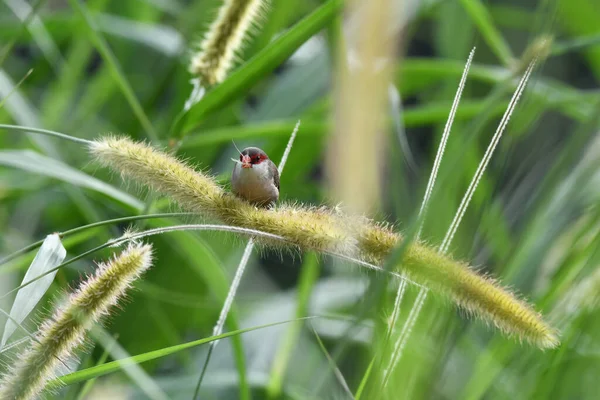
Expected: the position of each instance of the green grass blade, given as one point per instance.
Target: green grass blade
(364, 380)
(579, 43)
(98, 224)
(308, 278)
(85, 389)
(262, 130)
(580, 17)
(45, 132)
(333, 365)
(134, 371)
(51, 254)
(60, 100)
(22, 29)
(14, 89)
(483, 20)
(413, 117)
(28, 160)
(115, 68)
(114, 366)
(209, 268)
(20, 263)
(260, 65)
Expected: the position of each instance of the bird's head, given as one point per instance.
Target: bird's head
(251, 156)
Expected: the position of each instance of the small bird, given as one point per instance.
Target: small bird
(255, 178)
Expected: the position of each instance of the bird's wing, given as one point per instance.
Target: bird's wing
(275, 175)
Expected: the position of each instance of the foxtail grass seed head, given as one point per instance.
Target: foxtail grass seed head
(539, 50)
(223, 41)
(62, 334)
(325, 230)
(313, 228)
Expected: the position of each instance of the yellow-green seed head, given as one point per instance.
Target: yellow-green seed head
(224, 40)
(62, 334)
(326, 230)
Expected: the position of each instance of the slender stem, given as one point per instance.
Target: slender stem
(422, 296)
(151, 232)
(15, 88)
(90, 226)
(46, 132)
(399, 345)
(218, 329)
(239, 273)
(486, 159)
(444, 140)
(288, 148)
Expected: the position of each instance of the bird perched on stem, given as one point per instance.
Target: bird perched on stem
(255, 178)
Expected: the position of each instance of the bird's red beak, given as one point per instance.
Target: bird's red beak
(246, 162)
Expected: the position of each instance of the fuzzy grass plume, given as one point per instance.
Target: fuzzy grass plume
(326, 230)
(217, 52)
(65, 331)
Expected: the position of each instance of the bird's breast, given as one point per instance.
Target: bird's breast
(254, 184)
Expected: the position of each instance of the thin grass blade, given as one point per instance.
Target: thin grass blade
(51, 254)
(36, 163)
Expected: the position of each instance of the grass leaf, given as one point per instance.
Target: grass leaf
(36, 163)
(51, 254)
(115, 69)
(240, 81)
(117, 365)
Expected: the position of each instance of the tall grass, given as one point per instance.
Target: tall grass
(532, 225)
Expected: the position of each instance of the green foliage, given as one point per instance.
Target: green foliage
(105, 66)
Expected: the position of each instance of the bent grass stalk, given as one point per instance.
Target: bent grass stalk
(46, 132)
(82, 228)
(130, 236)
(62, 334)
(325, 230)
(218, 50)
(422, 295)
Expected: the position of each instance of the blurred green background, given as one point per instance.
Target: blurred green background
(105, 66)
